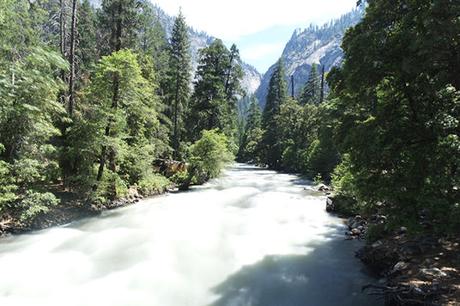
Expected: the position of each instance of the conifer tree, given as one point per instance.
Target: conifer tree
(86, 52)
(178, 77)
(217, 83)
(311, 93)
(120, 20)
(277, 95)
(151, 39)
(252, 133)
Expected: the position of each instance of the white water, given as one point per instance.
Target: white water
(252, 237)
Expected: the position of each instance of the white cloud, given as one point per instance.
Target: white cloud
(232, 19)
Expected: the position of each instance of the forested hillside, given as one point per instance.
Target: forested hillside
(320, 45)
(92, 99)
(198, 40)
(388, 134)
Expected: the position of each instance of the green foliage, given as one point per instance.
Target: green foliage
(252, 134)
(271, 149)
(153, 184)
(343, 180)
(119, 21)
(176, 85)
(7, 187)
(376, 232)
(217, 87)
(209, 155)
(312, 89)
(36, 203)
(134, 124)
(111, 184)
(181, 179)
(29, 106)
(398, 105)
(87, 50)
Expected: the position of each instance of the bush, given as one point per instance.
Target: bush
(7, 187)
(343, 180)
(290, 159)
(153, 184)
(181, 179)
(35, 203)
(111, 187)
(375, 232)
(209, 155)
(320, 158)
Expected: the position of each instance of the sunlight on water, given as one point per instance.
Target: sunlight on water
(182, 249)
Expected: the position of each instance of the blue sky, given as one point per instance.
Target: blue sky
(260, 28)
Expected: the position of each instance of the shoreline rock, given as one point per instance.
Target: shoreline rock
(420, 270)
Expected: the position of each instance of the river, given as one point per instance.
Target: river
(252, 237)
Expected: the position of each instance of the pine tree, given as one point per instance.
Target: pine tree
(311, 93)
(72, 58)
(177, 83)
(217, 83)
(133, 124)
(87, 52)
(277, 95)
(120, 21)
(151, 39)
(252, 133)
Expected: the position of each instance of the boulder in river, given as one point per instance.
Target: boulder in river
(323, 188)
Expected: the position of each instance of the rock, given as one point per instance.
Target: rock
(402, 230)
(330, 207)
(133, 193)
(398, 267)
(323, 188)
(377, 244)
(433, 273)
(411, 249)
(355, 232)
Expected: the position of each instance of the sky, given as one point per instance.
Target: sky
(260, 28)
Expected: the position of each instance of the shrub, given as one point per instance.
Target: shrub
(153, 184)
(343, 180)
(7, 187)
(36, 203)
(181, 179)
(111, 187)
(375, 232)
(209, 155)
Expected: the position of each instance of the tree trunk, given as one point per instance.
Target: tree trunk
(176, 141)
(321, 99)
(107, 151)
(63, 34)
(73, 37)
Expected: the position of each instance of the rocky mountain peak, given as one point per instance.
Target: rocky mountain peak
(314, 45)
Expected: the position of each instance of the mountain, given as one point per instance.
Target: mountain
(320, 45)
(199, 40)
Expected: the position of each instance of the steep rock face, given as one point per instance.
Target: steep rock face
(320, 45)
(199, 40)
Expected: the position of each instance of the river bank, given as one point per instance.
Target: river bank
(72, 208)
(422, 269)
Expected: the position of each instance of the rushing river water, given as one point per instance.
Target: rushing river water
(250, 238)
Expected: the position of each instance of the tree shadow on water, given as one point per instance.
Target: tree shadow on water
(329, 275)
